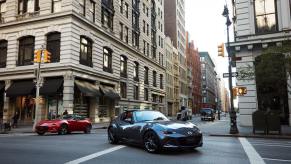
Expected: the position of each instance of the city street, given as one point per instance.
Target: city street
(94, 148)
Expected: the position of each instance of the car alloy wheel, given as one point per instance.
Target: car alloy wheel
(151, 142)
(63, 129)
(40, 133)
(111, 138)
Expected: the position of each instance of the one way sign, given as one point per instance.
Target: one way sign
(234, 74)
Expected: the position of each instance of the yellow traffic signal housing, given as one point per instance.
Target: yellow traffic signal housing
(46, 56)
(234, 91)
(242, 91)
(221, 50)
(37, 56)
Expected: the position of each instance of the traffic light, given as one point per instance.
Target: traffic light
(37, 56)
(234, 91)
(46, 56)
(242, 91)
(221, 50)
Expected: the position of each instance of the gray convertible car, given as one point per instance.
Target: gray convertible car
(153, 131)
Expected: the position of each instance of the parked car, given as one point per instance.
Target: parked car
(67, 124)
(153, 131)
(207, 114)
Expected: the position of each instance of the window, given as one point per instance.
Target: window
(147, 12)
(123, 91)
(143, 26)
(135, 71)
(135, 39)
(146, 94)
(86, 51)
(146, 75)
(107, 14)
(161, 81)
(83, 7)
(26, 48)
(147, 29)
(3, 53)
(148, 49)
(135, 92)
(143, 8)
(2, 9)
(54, 46)
(56, 6)
(28, 6)
(126, 9)
(121, 31)
(121, 6)
(144, 47)
(162, 42)
(92, 10)
(126, 34)
(123, 66)
(265, 13)
(107, 60)
(154, 78)
(161, 99)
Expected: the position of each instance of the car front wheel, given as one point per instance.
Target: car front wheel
(151, 142)
(40, 133)
(63, 129)
(88, 129)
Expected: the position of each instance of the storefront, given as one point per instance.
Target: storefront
(21, 99)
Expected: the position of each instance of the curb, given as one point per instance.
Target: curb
(103, 127)
(252, 136)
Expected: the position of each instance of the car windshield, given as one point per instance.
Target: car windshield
(206, 111)
(149, 116)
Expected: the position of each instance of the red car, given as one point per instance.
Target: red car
(68, 124)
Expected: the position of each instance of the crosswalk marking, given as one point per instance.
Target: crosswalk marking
(252, 154)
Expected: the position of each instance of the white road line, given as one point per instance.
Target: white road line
(281, 160)
(252, 154)
(274, 145)
(95, 155)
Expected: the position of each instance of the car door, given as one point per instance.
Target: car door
(123, 124)
(133, 130)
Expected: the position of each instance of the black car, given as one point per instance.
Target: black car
(207, 114)
(153, 131)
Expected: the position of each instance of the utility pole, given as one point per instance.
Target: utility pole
(38, 84)
(233, 123)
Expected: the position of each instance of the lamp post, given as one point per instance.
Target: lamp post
(233, 125)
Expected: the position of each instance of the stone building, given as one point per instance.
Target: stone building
(107, 56)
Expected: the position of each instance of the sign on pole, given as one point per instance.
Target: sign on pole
(234, 74)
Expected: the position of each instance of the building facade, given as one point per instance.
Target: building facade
(169, 76)
(175, 29)
(257, 26)
(107, 56)
(208, 81)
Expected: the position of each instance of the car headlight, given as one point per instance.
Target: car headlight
(196, 129)
(167, 132)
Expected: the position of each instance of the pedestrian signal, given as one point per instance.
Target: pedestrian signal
(242, 91)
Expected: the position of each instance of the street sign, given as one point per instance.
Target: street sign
(234, 74)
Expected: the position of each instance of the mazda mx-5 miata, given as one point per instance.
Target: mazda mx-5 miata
(67, 124)
(154, 131)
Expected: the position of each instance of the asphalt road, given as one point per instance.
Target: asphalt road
(94, 148)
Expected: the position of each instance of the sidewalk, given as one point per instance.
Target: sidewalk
(28, 128)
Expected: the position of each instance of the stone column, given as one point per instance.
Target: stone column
(6, 116)
(68, 92)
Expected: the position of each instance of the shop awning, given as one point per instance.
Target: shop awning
(51, 86)
(20, 88)
(87, 88)
(109, 92)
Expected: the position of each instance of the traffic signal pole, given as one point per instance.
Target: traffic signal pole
(233, 123)
(37, 117)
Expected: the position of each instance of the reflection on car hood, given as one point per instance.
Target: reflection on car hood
(49, 122)
(174, 124)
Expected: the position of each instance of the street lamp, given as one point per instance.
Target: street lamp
(233, 125)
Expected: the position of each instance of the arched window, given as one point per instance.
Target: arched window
(135, 71)
(26, 51)
(54, 46)
(107, 60)
(123, 66)
(3, 53)
(86, 51)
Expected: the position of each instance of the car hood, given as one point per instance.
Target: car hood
(43, 122)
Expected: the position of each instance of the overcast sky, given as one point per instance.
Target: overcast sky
(207, 28)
